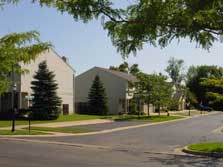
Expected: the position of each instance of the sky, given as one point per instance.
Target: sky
(87, 45)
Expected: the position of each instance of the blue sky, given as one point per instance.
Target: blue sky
(87, 45)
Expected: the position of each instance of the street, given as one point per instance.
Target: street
(146, 146)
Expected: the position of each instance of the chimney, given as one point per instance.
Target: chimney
(65, 59)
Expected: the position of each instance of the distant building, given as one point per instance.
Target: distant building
(115, 83)
(64, 76)
(180, 96)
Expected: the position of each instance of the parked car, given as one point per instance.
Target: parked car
(205, 108)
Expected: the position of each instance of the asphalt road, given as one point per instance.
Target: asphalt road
(19, 154)
(159, 138)
(149, 146)
(105, 126)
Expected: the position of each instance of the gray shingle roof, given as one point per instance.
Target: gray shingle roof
(128, 77)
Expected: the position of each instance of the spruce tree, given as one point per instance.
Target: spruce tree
(97, 104)
(46, 103)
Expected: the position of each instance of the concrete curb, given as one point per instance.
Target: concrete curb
(201, 153)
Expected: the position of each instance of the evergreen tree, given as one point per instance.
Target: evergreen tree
(46, 103)
(97, 104)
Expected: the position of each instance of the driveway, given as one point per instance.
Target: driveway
(158, 138)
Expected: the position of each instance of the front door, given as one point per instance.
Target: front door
(65, 109)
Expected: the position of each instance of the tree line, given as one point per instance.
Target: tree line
(199, 85)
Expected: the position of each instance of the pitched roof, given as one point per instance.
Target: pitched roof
(125, 76)
(62, 59)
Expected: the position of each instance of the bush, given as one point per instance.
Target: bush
(81, 108)
(21, 114)
(6, 115)
(173, 105)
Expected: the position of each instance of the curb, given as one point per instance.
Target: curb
(201, 153)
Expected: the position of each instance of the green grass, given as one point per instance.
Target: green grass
(79, 117)
(207, 147)
(21, 132)
(62, 130)
(161, 118)
(62, 118)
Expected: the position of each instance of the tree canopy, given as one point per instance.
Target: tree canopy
(195, 80)
(154, 89)
(126, 68)
(175, 70)
(156, 22)
(213, 92)
(14, 49)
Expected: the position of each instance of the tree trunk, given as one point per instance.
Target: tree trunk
(159, 109)
(148, 112)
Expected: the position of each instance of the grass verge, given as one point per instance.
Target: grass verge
(61, 130)
(79, 117)
(207, 147)
(21, 132)
(161, 118)
(62, 118)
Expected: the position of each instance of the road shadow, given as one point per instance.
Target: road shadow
(186, 161)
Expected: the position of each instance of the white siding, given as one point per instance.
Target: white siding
(64, 76)
(115, 87)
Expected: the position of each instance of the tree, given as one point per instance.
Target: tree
(162, 92)
(14, 49)
(195, 76)
(97, 98)
(213, 92)
(175, 70)
(134, 69)
(46, 103)
(156, 22)
(154, 89)
(124, 67)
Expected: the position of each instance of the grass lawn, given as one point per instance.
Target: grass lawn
(62, 130)
(21, 132)
(207, 147)
(161, 118)
(79, 117)
(62, 118)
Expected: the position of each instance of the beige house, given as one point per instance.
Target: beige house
(179, 95)
(115, 83)
(64, 76)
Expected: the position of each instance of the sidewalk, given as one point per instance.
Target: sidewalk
(64, 124)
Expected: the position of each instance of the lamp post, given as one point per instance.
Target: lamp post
(14, 88)
(29, 98)
(188, 106)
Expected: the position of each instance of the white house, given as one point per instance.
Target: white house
(115, 83)
(64, 76)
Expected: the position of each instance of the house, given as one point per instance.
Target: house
(179, 95)
(116, 85)
(64, 76)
